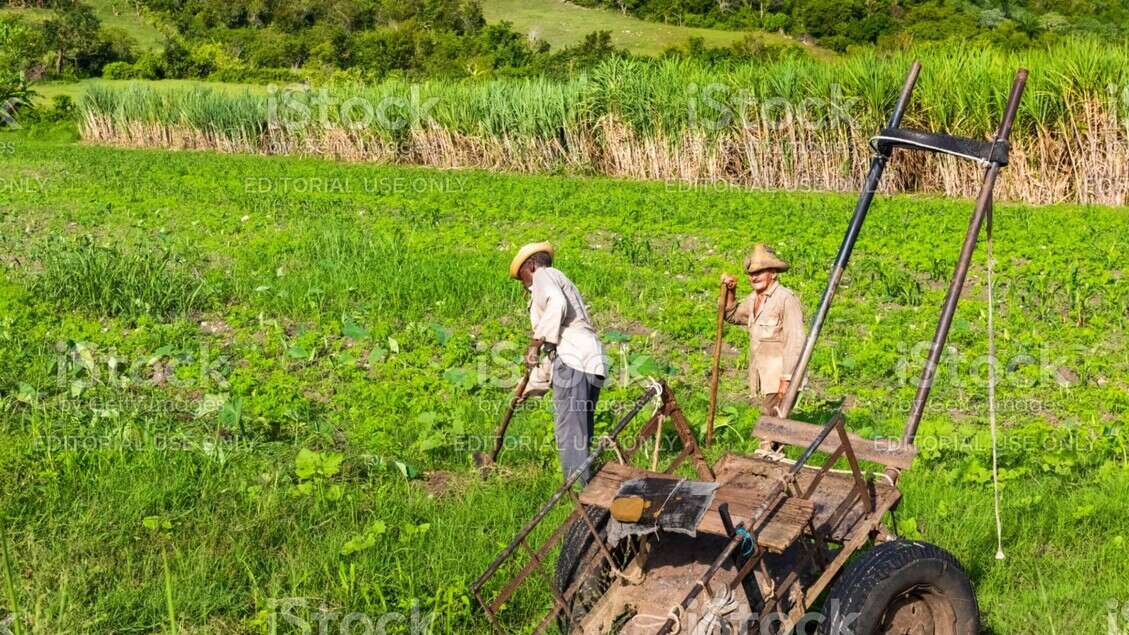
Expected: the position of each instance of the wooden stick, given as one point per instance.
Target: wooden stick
(716, 370)
(483, 461)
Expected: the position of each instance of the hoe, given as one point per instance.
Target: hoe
(757, 543)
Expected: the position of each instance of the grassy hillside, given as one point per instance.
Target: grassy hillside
(232, 385)
(113, 14)
(122, 14)
(562, 24)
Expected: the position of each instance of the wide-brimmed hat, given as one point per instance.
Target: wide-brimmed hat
(524, 253)
(763, 257)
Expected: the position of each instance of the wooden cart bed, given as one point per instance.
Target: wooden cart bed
(744, 482)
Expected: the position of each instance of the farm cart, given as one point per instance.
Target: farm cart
(761, 542)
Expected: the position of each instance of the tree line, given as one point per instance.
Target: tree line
(371, 40)
(841, 24)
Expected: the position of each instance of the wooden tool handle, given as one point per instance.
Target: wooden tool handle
(715, 371)
(500, 435)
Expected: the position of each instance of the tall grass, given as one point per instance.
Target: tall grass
(10, 582)
(103, 279)
(795, 123)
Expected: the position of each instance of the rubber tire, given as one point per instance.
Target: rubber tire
(576, 546)
(882, 574)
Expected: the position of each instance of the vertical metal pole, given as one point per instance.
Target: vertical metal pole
(877, 166)
(983, 204)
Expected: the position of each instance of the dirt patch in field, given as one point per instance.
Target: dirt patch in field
(215, 327)
(442, 483)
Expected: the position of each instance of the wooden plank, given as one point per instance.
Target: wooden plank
(745, 494)
(745, 482)
(741, 469)
(785, 525)
(801, 434)
(603, 487)
(682, 426)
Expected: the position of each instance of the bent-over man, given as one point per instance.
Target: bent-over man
(774, 317)
(563, 330)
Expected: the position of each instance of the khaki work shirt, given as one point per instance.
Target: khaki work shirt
(559, 317)
(776, 337)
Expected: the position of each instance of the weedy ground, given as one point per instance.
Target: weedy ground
(241, 392)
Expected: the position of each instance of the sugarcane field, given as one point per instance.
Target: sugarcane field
(581, 317)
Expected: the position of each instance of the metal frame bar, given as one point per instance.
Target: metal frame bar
(866, 196)
(774, 498)
(948, 310)
(535, 563)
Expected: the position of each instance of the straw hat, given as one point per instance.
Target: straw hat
(763, 257)
(524, 253)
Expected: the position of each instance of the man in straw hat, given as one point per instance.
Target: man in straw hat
(774, 317)
(563, 331)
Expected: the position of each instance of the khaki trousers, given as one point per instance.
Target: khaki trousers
(770, 403)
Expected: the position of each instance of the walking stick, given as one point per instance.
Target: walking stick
(716, 364)
(485, 462)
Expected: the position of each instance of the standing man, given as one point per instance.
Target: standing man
(774, 317)
(563, 331)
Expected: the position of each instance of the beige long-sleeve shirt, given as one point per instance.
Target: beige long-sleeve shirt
(559, 316)
(776, 336)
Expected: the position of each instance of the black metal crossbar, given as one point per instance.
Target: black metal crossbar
(982, 152)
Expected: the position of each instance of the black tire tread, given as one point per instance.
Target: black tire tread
(576, 543)
(882, 562)
(576, 546)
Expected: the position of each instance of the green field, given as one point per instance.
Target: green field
(562, 24)
(231, 381)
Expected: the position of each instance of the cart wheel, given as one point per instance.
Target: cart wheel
(576, 548)
(903, 588)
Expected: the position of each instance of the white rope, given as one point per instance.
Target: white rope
(992, 398)
(676, 615)
(615, 448)
(659, 511)
(653, 384)
(716, 609)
